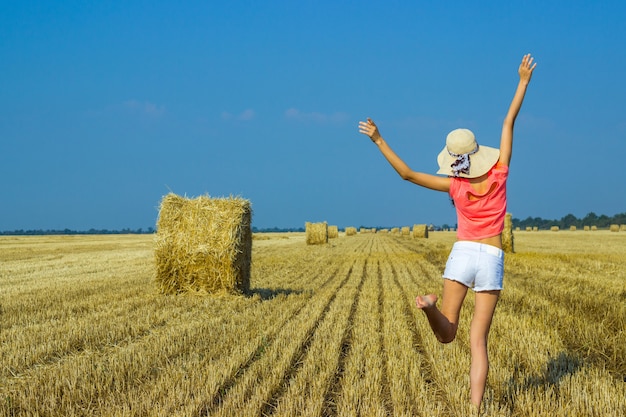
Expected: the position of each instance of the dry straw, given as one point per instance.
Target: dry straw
(586, 228)
(420, 231)
(406, 231)
(350, 231)
(614, 228)
(333, 232)
(203, 245)
(572, 228)
(508, 239)
(622, 227)
(554, 228)
(316, 233)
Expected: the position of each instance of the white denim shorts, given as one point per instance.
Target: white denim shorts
(476, 265)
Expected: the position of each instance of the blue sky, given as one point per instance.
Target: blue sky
(105, 107)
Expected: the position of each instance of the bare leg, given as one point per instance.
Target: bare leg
(444, 322)
(479, 331)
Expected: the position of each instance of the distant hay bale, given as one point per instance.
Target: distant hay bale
(614, 228)
(529, 229)
(572, 228)
(373, 230)
(554, 228)
(594, 228)
(420, 231)
(406, 231)
(507, 234)
(362, 230)
(586, 228)
(535, 228)
(350, 231)
(203, 245)
(622, 227)
(384, 230)
(333, 232)
(395, 230)
(517, 229)
(316, 233)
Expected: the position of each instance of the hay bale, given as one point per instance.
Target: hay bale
(535, 228)
(614, 228)
(384, 231)
(362, 230)
(554, 228)
(420, 231)
(333, 232)
(395, 230)
(350, 231)
(203, 245)
(507, 234)
(529, 229)
(594, 228)
(586, 228)
(406, 231)
(572, 228)
(622, 227)
(316, 233)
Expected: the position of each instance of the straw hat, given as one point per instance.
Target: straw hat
(462, 157)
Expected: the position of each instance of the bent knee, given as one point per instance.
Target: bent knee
(446, 340)
(448, 337)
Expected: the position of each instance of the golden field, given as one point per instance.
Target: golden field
(327, 330)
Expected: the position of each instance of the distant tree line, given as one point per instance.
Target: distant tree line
(591, 219)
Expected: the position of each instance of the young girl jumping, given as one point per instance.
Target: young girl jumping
(475, 178)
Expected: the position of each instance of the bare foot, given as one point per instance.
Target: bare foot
(425, 301)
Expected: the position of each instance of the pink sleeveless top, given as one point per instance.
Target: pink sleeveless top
(483, 217)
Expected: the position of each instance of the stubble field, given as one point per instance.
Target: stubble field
(327, 330)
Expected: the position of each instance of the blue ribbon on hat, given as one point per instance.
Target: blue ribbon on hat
(462, 163)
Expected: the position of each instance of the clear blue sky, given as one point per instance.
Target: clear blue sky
(105, 107)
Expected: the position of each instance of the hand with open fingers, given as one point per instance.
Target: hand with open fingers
(526, 68)
(370, 129)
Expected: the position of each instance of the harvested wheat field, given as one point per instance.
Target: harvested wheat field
(326, 330)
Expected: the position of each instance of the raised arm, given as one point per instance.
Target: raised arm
(506, 140)
(433, 182)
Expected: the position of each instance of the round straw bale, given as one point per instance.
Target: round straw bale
(554, 228)
(333, 232)
(203, 244)
(614, 228)
(316, 233)
(507, 234)
(350, 231)
(572, 228)
(420, 231)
